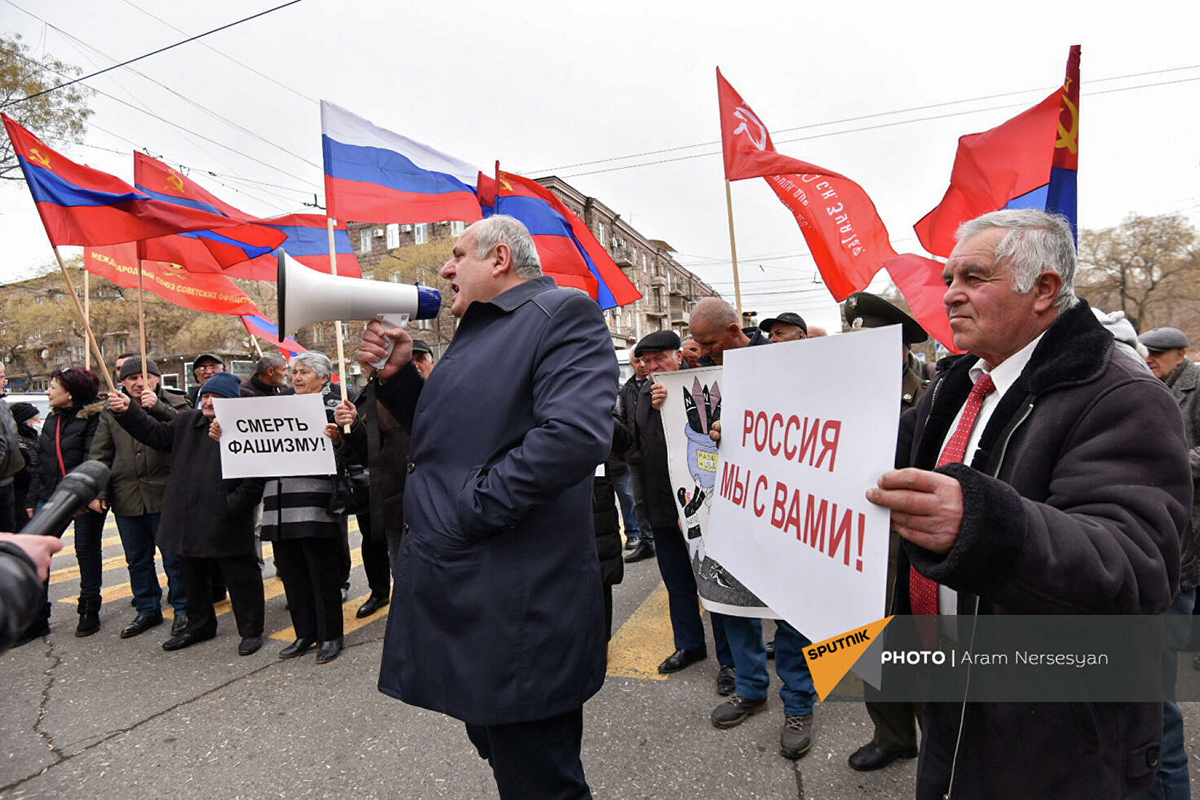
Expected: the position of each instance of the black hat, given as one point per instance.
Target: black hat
(207, 357)
(657, 342)
(864, 310)
(786, 318)
(133, 366)
(421, 346)
(1161, 339)
(23, 411)
(222, 384)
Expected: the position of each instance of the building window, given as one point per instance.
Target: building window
(457, 227)
(603, 236)
(420, 233)
(365, 240)
(393, 236)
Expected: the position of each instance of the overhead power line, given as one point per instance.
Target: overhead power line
(145, 55)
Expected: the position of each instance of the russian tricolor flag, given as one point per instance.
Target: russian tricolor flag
(263, 328)
(308, 242)
(375, 175)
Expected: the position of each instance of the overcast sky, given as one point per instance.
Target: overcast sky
(871, 90)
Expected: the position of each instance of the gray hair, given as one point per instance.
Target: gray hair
(503, 229)
(317, 362)
(716, 312)
(269, 361)
(1036, 242)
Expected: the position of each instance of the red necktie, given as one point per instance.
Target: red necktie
(922, 592)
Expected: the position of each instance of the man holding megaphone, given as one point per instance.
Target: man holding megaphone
(498, 617)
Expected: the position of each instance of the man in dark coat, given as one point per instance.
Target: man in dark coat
(499, 616)
(269, 377)
(1069, 494)
(139, 481)
(207, 520)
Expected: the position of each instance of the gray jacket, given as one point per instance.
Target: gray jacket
(1184, 381)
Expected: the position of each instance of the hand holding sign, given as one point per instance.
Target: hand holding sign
(927, 507)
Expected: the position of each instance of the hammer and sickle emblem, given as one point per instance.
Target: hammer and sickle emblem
(505, 185)
(37, 156)
(174, 181)
(172, 271)
(1068, 138)
(746, 115)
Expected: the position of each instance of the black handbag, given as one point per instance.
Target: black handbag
(351, 491)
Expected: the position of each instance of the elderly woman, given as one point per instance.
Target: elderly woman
(310, 541)
(63, 445)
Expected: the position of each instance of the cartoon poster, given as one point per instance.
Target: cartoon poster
(693, 405)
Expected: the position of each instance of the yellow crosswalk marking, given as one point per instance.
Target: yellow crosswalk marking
(644, 640)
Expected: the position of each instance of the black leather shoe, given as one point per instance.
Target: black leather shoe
(328, 651)
(297, 648)
(345, 593)
(373, 604)
(682, 658)
(643, 551)
(726, 681)
(871, 757)
(179, 625)
(631, 543)
(249, 645)
(143, 623)
(185, 639)
(35, 631)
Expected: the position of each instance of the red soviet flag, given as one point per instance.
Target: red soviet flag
(848, 240)
(919, 279)
(199, 291)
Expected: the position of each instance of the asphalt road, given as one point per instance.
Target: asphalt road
(103, 717)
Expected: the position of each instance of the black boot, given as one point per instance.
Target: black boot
(89, 617)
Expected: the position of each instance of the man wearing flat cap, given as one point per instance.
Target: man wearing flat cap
(203, 367)
(423, 357)
(135, 492)
(895, 723)
(1167, 358)
(659, 352)
(787, 327)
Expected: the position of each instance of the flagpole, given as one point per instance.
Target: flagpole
(341, 348)
(737, 286)
(87, 311)
(254, 342)
(87, 327)
(142, 325)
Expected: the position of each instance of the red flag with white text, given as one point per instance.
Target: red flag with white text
(215, 294)
(848, 240)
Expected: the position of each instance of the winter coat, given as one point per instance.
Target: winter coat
(203, 516)
(253, 387)
(608, 531)
(498, 612)
(380, 443)
(64, 443)
(139, 473)
(1074, 503)
(31, 450)
(20, 593)
(1184, 380)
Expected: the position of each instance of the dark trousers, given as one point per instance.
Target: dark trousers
(243, 578)
(676, 570)
(536, 760)
(137, 539)
(311, 571)
(375, 558)
(8, 506)
(89, 533)
(895, 723)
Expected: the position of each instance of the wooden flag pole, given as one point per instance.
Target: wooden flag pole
(341, 347)
(737, 286)
(87, 327)
(142, 327)
(87, 312)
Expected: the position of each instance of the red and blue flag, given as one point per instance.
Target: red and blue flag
(263, 328)
(566, 247)
(1030, 161)
(84, 206)
(375, 175)
(225, 249)
(308, 242)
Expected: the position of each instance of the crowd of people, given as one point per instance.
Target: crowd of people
(1048, 470)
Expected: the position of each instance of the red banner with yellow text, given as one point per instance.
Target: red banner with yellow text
(208, 292)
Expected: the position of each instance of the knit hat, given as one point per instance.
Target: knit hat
(133, 366)
(222, 384)
(23, 411)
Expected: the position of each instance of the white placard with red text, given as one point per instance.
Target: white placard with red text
(274, 437)
(806, 428)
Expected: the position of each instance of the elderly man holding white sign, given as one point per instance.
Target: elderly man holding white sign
(1046, 477)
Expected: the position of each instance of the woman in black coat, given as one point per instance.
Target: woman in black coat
(63, 445)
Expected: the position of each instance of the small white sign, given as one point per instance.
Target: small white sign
(807, 427)
(271, 437)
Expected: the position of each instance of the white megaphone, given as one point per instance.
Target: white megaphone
(307, 296)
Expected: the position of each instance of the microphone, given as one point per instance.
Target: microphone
(78, 488)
